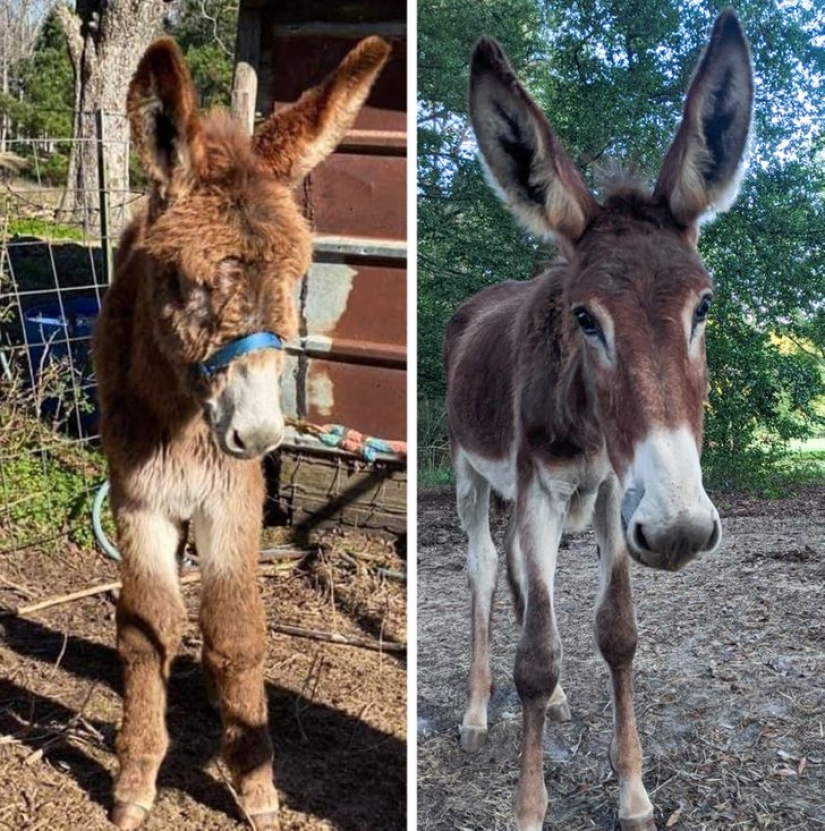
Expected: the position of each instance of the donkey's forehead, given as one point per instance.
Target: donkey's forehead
(261, 226)
(626, 252)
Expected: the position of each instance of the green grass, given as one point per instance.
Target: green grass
(808, 447)
(45, 497)
(44, 229)
(434, 477)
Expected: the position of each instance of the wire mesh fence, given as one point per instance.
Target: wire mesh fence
(55, 249)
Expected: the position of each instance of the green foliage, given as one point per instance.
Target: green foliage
(45, 479)
(205, 31)
(41, 106)
(45, 498)
(611, 74)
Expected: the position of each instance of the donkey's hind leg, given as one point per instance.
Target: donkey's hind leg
(473, 501)
(234, 649)
(150, 615)
(558, 709)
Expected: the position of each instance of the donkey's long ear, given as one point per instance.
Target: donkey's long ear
(296, 138)
(163, 116)
(525, 162)
(702, 169)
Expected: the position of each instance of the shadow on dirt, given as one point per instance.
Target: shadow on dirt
(328, 764)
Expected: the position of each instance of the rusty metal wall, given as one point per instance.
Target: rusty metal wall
(353, 301)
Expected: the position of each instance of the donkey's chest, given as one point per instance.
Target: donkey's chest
(178, 481)
(573, 483)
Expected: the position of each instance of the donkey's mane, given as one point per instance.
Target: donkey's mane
(230, 158)
(625, 191)
(632, 202)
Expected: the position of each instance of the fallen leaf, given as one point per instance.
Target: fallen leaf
(674, 818)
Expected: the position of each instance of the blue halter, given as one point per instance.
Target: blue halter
(234, 349)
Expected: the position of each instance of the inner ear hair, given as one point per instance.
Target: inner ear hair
(163, 116)
(703, 166)
(525, 162)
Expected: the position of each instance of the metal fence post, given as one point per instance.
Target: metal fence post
(103, 190)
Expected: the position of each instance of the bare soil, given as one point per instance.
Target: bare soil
(337, 712)
(730, 681)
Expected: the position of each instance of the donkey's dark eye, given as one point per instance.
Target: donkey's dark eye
(702, 310)
(587, 322)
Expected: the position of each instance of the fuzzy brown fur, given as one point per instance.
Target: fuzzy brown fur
(215, 255)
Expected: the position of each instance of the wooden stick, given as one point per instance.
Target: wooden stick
(342, 640)
(22, 611)
(90, 591)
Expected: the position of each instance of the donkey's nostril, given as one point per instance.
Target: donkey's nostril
(239, 442)
(639, 538)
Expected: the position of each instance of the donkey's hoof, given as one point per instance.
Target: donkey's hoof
(128, 815)
(644, 822)
(472, 738)
(560, 711)
(265, 822)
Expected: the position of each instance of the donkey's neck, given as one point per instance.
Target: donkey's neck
(556, 408)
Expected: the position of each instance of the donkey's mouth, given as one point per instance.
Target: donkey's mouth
(672, 558)
(669, 561)
(231, 443)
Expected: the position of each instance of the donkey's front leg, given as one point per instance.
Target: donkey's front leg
(150, 615)
(234, 647)
(540, 517)
(616, 636)
(558, 708)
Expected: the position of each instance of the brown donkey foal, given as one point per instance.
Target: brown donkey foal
(188, 359)
(579, 394)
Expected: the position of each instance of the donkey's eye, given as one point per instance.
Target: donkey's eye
(702, 310)
(197, 301)
(587, 322)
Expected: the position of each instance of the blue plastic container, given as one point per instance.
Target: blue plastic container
(59, 330)
(54, 332)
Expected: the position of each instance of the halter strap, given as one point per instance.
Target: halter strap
(234, 349)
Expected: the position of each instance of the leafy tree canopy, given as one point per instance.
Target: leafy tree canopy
(205, 30)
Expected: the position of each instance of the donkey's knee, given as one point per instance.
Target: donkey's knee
(149, 624)
(538, 667)
(616, 622)
(482, 565)
(233, 643)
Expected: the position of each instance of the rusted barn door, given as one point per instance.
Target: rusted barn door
(352, 366)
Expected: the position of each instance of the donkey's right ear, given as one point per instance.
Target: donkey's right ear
(524, 160)
(163, 115)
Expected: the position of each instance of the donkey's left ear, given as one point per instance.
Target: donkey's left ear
(163, 115)
(702, 169)
(296, 138)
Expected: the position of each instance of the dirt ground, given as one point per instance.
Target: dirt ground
(337, 712)
(730, 681)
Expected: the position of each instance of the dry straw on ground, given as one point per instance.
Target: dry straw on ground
(338, 711)
(730, 682)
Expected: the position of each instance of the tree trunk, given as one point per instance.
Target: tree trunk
(105, 41)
